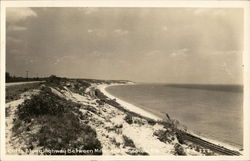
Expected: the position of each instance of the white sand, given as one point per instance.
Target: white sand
(140, 111)
(127, 105)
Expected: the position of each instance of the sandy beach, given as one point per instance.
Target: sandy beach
(113, 122)
(127, 105)
(145, 113)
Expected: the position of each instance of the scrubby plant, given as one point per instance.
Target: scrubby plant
(54, 79)
(128, 141)
(129, 119)
(14, 92)
(163, 135)
(179, 150)
(59, 119)
(64, 132)
(134, 151)
(179, 137)
(46, 103)
(151, 122)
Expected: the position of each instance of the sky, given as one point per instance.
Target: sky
(165, 45)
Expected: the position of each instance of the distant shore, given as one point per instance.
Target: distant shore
(145, 113)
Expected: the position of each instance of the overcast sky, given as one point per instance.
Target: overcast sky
(170, 45)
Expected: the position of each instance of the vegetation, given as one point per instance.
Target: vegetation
(58, 119)
(46, 103)
(128, 119)
(166, 136)
(14, 92)
(128, 141)
(179, 150)
(76, 85)
(10, 78)
(48, 121)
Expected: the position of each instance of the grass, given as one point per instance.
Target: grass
(75, 85)
(58, 119)
(14, 92)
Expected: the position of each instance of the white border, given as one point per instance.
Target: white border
(133, 3)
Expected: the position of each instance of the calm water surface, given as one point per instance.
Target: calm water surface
(210, 112)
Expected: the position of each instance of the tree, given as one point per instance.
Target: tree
(7, 76)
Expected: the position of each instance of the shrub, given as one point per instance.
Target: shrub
(179, 150)
(134, 151)
(128, 119)
(151, 121)
(163, 135)
(78, 86)
(59, 119)
(179, 137)
(100, 102)
(53, 79)
(128, 141)
(64, 132)
(14, 92)
(46, 103)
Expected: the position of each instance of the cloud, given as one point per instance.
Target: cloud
(153, 53)
(229, 52)
(16, 28)
(12, 39)
(200, 11)
(164, 28)
(14, 51)
(226, 68)
(120, 32)
(18, 14)
(90, 30)
(209, 12)
(97, 32)
(88, 10)
(179, 52)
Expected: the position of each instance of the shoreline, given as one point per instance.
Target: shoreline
(145, 113)
(125, 104)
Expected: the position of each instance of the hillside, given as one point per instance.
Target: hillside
(73, 117)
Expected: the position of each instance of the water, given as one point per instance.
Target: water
(215, 112)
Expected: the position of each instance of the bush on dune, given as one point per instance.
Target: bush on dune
(64, 132)
(128, 141)
(59, 122)
(46, 103)
(129, 119)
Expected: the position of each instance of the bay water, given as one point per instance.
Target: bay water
(212, 111)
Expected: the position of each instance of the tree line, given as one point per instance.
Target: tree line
(13, 78)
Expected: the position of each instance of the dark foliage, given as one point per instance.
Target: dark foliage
(10, 78)
(128, 141)
(179, 136)
(60, 125)
(179, 150)
(128, 119)
(14, 92)
(164, 135)
(64, 132)
(46, 103)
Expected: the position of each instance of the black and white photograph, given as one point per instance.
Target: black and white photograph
(125, 81)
